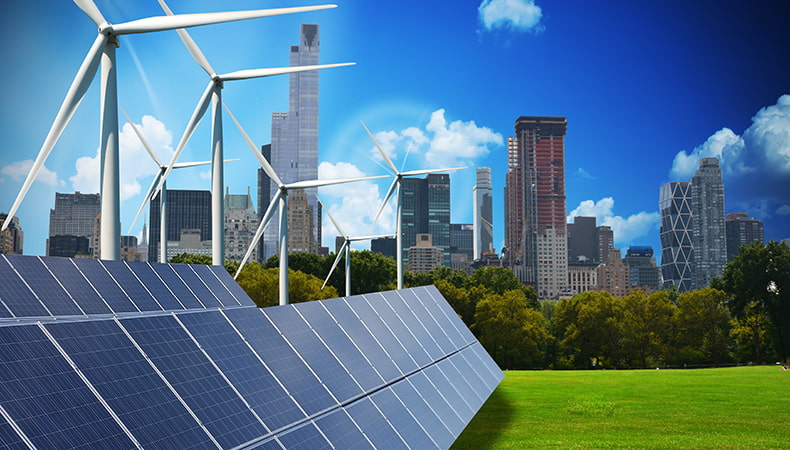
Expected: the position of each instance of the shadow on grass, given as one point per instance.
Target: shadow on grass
(494, 417)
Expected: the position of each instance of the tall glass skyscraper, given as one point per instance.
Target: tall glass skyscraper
(425, 208)
(74, 215)
(677, 248)
(709, 232)
(483, 210)
(294, 148)
(186, 209)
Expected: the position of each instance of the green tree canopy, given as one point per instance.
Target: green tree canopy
(591, 328)
(262, 285)
(702, 327)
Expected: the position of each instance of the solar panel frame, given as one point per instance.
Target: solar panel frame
(306, 436)
(241, 297)
(177, 286)
(424, 316)
(16, 295)
(155, 286)
(75, 283)
(131, 285)
(46, 288)
(381, 304)
(374, 425)
(341, 431)
(196, 285)
(105, 285)
(410, 428)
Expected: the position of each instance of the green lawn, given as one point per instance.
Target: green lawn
(741, 407)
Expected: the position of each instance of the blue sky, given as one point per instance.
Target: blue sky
(648, 88)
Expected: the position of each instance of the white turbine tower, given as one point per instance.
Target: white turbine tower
(162, 193)
(396, 184)
(213, 94)
(281, 199)
(103, 50)
(345, 249)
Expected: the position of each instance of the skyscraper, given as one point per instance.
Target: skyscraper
(12, 238)
(425, 208)
(241, 222)
(742, 230)
(709, 234)
(264, 197)
(677, 248)
(642, 267)
(294, 147)
(483, 210)
(74, 215)
(186, 210)
(535, 204)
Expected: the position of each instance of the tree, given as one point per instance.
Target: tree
(702, 327)
(192, 258)
(590, 326)
(760, 275)
(750, 332)
(647, 324)
(370, 272)
(262, 285)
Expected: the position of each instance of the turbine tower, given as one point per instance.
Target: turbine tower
(396, 184)
(213, 93)
(346, 247)
(103, 50)
(281, 199)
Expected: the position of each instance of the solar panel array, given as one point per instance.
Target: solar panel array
(119, 355)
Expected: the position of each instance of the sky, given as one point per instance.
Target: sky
(648, 88)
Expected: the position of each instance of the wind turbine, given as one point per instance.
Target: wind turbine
(213, 93)
(396, 184)
(281, 199)
(103, 50)
(346, 247)
(162, 193)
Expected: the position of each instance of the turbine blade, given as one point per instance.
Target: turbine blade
(145, 200)
(260, 73)
(381, 150)
(190, 44)
(319, 183)
(384, 203)
(334, 222)
(267, 217)
(162, 23)
(76, 91)
(142, 139)
(337, 260)
(193, 122)
(193, 164)
(423, 172)
(258, 155)
(90, 9)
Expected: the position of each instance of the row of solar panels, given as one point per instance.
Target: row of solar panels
(388, 370)
(37, 287)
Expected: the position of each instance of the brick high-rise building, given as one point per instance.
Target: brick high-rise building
(535, 228)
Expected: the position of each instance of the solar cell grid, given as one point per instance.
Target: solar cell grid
(16, 295)
(238, 293)
(164, 297)
(485, 365)
(46, 398)
(422, 412)
(47, 289)
(177, 286)
(196, 285)
(411, 428)
(105, 285)
(433, 293)
(223, 295)
(438, 403)
(314, 353)
(305, 437)
(131, 285)
(123, 377)
(415, 325)
(469, 375)
(381, 304)
(270, 346)
(417, 307)
(195, 379)
(448, 390)
(240, 365)
(341, 431)
(9, 439)
(374, 424)
(76, 285)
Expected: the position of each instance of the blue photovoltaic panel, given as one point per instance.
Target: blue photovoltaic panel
(16, 295)
(76, 285)
(103, 283)
(383, 335)
(226, 279)
(457, 368)
(155, 286)
(415, 326)
(412, 428)
(177, 286)
(47, 289)
(211, 281)
(341, 431)
(305, 437)
(417, 307)
(47, 399)
(242, 368)
(131, 285)
(197, 286)
(445, 322)
(485, 365)
(186, 368)
(280, 358)
(448, 390)
(343, 347)
(123, 377)
(431, 292)
(434, 397)
(315, 354)
(9, 439)
(423, 412)
(380, 303)
(374, 425)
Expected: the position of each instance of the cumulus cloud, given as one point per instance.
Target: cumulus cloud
(18, 171)
(514, 15)
(353, 205)
(441, 144)
(135, 162)
(626, 229)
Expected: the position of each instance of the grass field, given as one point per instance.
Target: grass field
(739, 407)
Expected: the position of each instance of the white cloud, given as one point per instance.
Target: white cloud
(353, 205)
(516, 15)
(723, 144)
(135, 162)
(626, 230)
(18, 171)
(783, 210)
(584, 174)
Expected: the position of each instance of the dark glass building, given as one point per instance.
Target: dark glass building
(742, 230)
(425, 208)
(186, 209)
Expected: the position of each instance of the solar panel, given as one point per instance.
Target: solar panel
(187, 360)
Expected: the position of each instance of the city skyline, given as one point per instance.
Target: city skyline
(647, 91)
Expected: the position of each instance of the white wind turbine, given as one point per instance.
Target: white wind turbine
(396, 184)
(162, 193)
(281, 199)
(345, 249)
(103, 50)
(213, 94)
